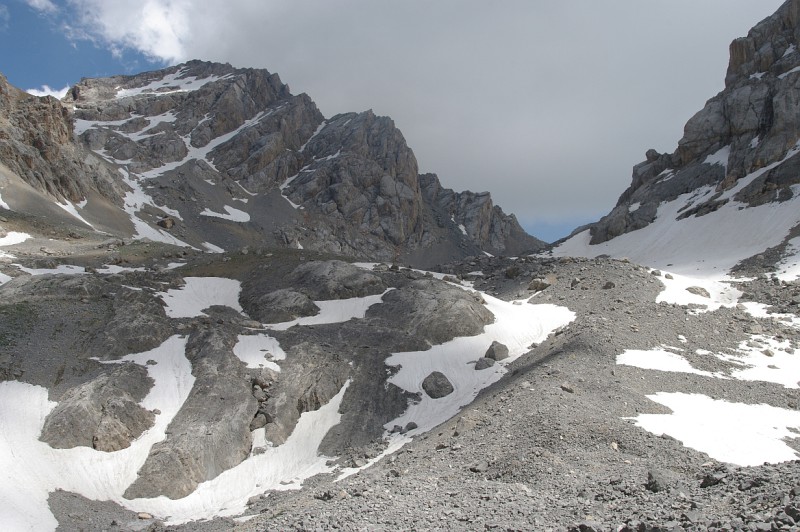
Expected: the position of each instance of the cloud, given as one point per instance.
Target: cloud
(156, 28)
(44, 6)
(547, 105)
(5, 17)
(46, 90)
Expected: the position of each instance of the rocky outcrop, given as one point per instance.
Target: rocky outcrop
(432, 311)
(103, 413)
(751, 125)
(211, 432)
(36, 144)
(474, 217)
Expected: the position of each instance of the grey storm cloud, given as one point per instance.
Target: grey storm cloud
(545, 104)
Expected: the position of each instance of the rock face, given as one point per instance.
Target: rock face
(744, 140)
(36, 144)
(103, 414)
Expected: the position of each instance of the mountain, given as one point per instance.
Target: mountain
(213, 317)
(225, 158)
(729, 192)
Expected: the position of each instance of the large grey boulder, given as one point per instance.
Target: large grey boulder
(437, 385)
(281, 305)
(433, 311)
(335, 279)
(103, 414)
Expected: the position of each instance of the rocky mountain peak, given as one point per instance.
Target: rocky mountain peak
(228, 157)
(740, 149)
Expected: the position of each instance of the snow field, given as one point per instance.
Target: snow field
(254, 350)
(30, 469)
(736, 433)
(334, 311)
(517, 326)
(198, 294)
(234, 215)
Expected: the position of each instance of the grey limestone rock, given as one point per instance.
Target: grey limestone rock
(103, 413)
(211, 431)
(497, 351)
(436, 385)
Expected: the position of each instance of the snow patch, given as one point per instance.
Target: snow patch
(736, 433)
(633, 207)
(234, 215)
(169, 84)
(3, 204)
(255, 350)
(212, 248)
(30, 469)
(199, 293)
(70, 208)
(660, 360)
(518, 326)
(334, 311)
(719, 157)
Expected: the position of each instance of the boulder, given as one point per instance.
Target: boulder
(436, 385)
(497, 351)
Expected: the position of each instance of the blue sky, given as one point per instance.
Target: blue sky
(545, 104)
(38, 50)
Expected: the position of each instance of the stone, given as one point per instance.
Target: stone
(436, 385)
(168, 222)
(609, 285)
(497, 351)
(484, 363)
(537, 285)
(698, 291)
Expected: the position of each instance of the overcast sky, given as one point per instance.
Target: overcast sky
(547, 104)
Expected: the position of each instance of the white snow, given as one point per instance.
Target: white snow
(171, 81)
(768, 359)
(334, 311)
(792, 71)
(13, 238)
(633, 207)
(757, 75)
(790, 50)
(30, 469)
(4, 278)
(3, 204)
(226, 495)
(789, 267)
(706, 246)
(234, 215)
(61, 269)
(462, 229)
(198, 294)
(113, 268)
(212, 248)
(518, 326)
(658, 359)
(134, 201)
(720, 157)
(256, 350)
(737, 433)
(722, 293)
(755, 142)
(70, 208)
(316, 132)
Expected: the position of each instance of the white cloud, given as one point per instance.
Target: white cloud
(46, 90)
(5, 16)
(45, 6)
(157, 28)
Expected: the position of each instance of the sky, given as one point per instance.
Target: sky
(546, 104)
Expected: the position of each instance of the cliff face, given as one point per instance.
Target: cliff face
(210, 156)
(36, 144)
(744, 140)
